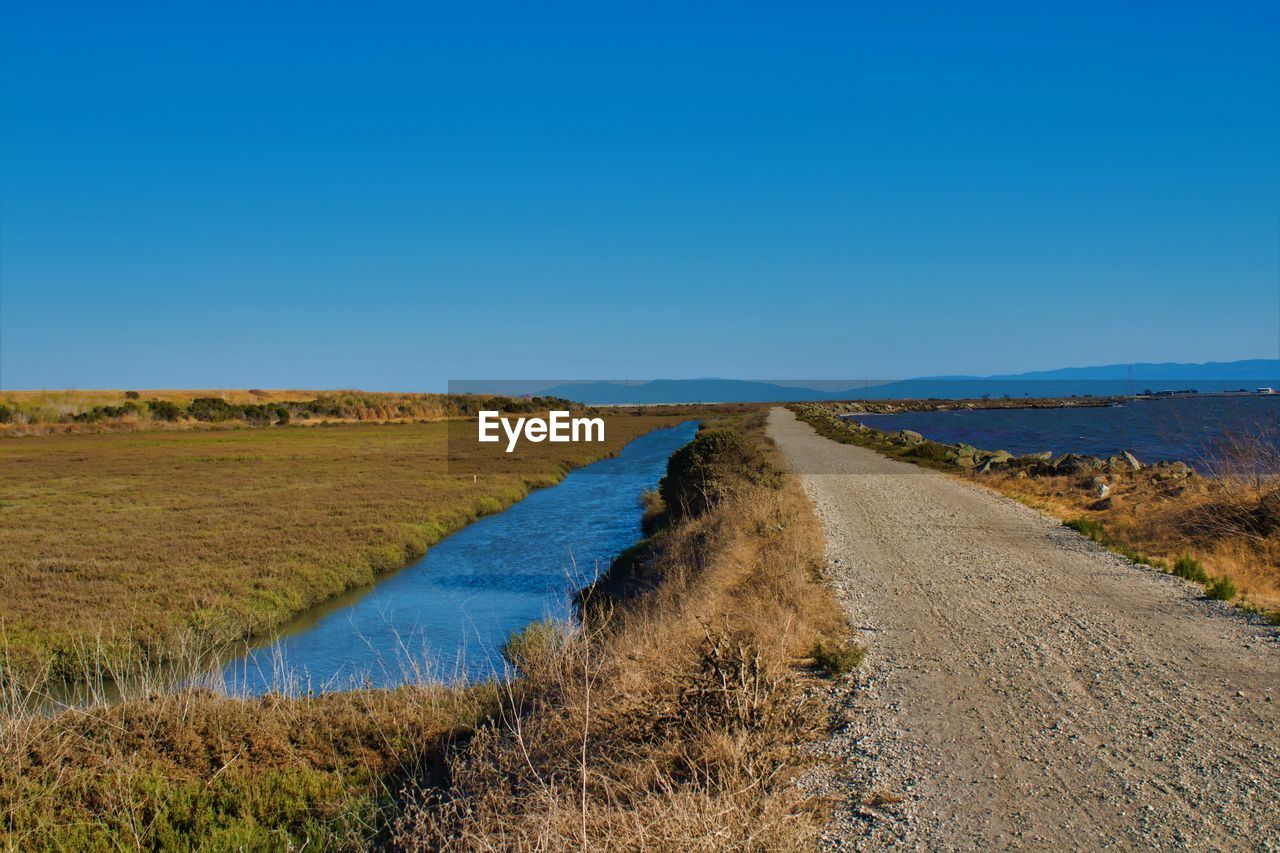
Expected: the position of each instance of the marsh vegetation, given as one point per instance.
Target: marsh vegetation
(674, 713)
(139, 545)
(43, 412)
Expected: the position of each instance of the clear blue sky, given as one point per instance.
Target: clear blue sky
(388, 196)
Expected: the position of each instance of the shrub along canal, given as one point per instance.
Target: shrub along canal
(447, 615)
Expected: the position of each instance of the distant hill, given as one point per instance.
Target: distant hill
(1211, 371)
(1103, 380)
(685, 391)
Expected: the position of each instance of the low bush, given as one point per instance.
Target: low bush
(164, 410)
(212, 409)
(1141, 558)
(537, 642)
(1220, 589)
(654, 510)
(699, 474)
(1087, 527)
(98, 413)
(838, 658)
(929, 453)
(1190, 568)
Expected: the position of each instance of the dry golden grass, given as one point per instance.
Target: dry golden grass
(674, 719)
(191, 768)
(76, 400)
(141, 540)
(47, 412)
(27, 413)
(1228, 521)
(1164, 520)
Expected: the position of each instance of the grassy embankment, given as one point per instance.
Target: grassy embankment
(24, 413)
(1220, 530)
(672, 717)
(128, 547)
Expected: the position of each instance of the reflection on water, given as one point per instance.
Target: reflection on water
(447, 615)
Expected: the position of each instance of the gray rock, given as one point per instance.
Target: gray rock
(1042, 469)
(1074, 463)
(1124, 461)
(1166, 471)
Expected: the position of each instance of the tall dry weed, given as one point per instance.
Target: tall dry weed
(671, 718)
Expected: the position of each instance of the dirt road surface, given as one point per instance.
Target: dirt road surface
(1025, 687)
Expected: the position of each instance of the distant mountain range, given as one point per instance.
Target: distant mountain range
(683, 391)
(1104, 380)
(1211, 371)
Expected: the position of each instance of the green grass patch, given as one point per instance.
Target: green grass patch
(197, 536)
(1220, 589)
(1189, 568)
(929, 453)
(837, 658)
(1088, 528)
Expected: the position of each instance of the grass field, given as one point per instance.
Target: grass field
(76, 400)
(27, 413)
(675, 717)
(144, 542)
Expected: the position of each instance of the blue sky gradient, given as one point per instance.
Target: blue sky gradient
(389, 196)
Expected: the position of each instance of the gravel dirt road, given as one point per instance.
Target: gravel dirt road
(1025, 687)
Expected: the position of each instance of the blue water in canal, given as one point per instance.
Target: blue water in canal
(447, 615)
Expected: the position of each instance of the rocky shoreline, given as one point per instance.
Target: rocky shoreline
(913, 445)
(896, 407)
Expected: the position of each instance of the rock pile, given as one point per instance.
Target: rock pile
(912, 444)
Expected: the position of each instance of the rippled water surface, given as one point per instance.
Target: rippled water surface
(447, 614)
(1191, 429)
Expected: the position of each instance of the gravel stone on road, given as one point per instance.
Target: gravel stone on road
(1024, 686)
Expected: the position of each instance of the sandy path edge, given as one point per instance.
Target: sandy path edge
(1025, 687)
